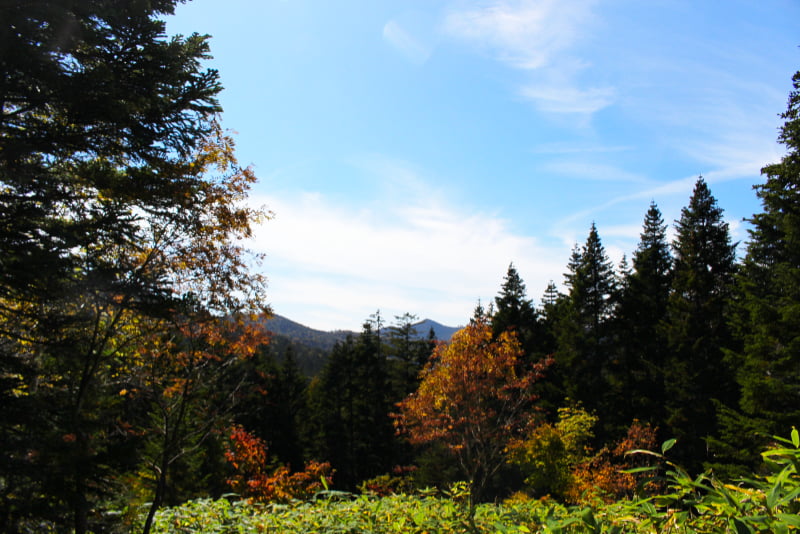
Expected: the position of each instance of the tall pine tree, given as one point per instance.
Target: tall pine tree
(696, 330)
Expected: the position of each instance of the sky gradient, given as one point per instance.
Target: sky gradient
(411, 149)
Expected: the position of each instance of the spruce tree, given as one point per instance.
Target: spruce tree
(640, 341)
(584, 328)
(550, 310)
(514, 311)
(553, 307)
(767, 318)
(271, 403)
(695, 373)
(350, 405)
(407, 353)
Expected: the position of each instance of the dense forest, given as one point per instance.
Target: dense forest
(135, 371)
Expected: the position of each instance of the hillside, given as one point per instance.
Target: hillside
(320, 339)
(305, 335)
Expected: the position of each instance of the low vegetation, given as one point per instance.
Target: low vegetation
(763, 504)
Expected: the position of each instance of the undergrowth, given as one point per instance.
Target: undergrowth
(702, 504)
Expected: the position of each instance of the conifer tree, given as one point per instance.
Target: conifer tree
(407, 352)
(116, 185)
(584, 329)
(640, 342)
(695, 326)
(552, 307)
(350, 404)
(767, 321)
(514, 311)
(271, 403)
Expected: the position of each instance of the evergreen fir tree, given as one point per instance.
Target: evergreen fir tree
(640, 342)
(272, 403)
(583, 330)
(550, 296)
(514, 311)
(350, 405)
(407, 353)
(552, 307)
(767, 321)
(292, 410)
(550, 390)
(695, 327)
(101, 116)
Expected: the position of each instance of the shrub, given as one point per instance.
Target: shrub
(607, 475)
(258, 482)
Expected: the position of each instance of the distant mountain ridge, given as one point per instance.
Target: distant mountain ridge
(442, 332)
(320, 339)
(299, 333)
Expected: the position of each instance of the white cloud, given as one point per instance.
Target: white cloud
(417, 254)
(525, 34)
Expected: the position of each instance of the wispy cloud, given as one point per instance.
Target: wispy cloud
(535, 37)
(578, 148)
(584, 170)
(525, 34)
(567, 99)
(409, 46)
(721, 117)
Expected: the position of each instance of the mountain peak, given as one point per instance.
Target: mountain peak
(442, 332)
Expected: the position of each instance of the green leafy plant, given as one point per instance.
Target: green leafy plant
(765, 504)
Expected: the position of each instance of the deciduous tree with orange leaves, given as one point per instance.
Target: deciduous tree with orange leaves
(473, 398)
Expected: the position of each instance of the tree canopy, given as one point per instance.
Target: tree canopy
(121, 213)
(472, 399)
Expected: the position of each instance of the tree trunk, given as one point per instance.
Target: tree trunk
(161, 487)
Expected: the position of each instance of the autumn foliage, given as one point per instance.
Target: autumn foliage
(605, 476)
(257, 480)
(472, 398)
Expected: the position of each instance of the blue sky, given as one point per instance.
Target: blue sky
(412, 149)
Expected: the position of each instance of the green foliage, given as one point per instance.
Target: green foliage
(768, 504)
(549, 454)
(395, 514)
(399, 481)
(762, 504)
